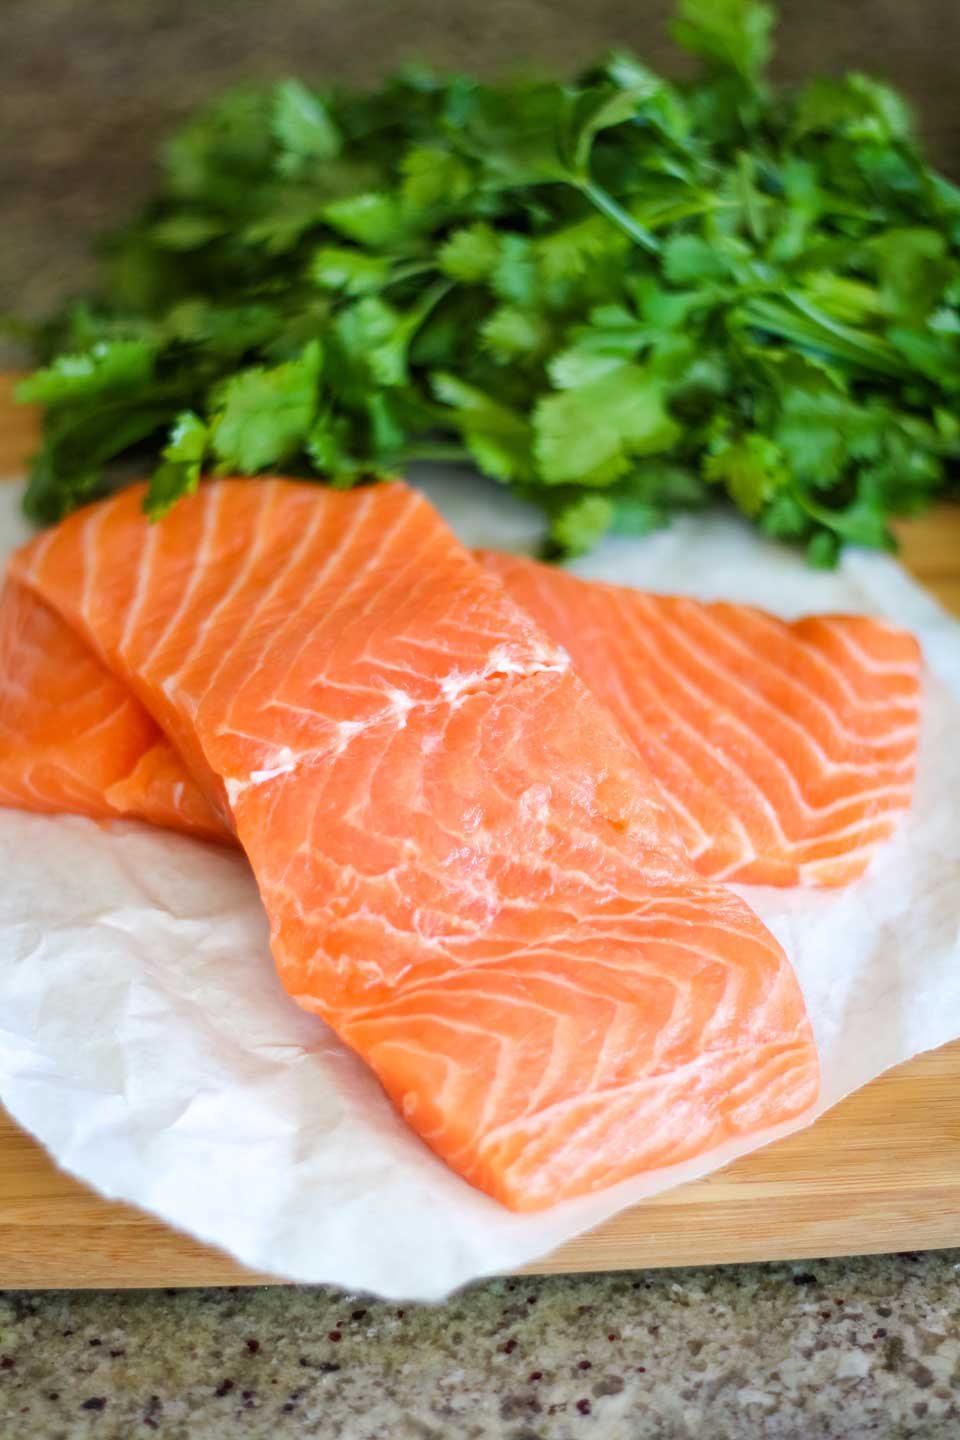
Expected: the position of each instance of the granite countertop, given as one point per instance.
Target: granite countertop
(823, 1350)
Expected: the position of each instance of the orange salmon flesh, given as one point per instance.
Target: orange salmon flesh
(786, 753)
(468, 869)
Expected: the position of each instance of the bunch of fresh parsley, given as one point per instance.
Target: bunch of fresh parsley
(617, 296)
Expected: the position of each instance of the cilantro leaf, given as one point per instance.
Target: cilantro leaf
(330, 444)
(434, 176)
(619, 295)
(750, 467)
(729, 34)
(372, 218)
(498, 438)
(513, 333)
(262, 416)
(587, 434)
(355, 272)
(588, 114)
(470, 254)
(108, 366)
(690, 259)
(516, 133)
(302, 125)
(180, 461)
(580, 525)
(568, 252)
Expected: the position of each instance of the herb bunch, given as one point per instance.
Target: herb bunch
(618, 296)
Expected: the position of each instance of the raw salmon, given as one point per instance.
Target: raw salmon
(785, 751)
(73, 738)
(468, 871)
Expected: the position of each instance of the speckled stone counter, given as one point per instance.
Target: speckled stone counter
(831, 1350)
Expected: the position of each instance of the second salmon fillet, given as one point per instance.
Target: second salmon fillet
(468, 871)
(786, 751)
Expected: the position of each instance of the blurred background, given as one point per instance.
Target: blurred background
(88, 87)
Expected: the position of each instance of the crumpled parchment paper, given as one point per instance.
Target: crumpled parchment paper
(146, 1042)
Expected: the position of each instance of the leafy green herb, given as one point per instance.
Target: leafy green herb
(263, 416)
(181, 460)
(619, 296)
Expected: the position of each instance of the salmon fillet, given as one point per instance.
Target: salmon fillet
(74, 739)
(468, 871)
(785, 751)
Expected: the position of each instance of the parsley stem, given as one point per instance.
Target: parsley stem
(808, 328)
(621, 217)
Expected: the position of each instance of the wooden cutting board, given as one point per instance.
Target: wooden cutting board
(879, 1172)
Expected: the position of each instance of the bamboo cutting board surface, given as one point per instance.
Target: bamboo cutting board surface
(879, 1172)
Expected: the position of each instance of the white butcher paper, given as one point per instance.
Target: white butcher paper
(146, 1041)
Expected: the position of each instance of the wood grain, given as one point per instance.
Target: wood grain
(879, 1172)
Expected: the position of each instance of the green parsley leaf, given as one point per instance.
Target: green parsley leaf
(569, 252)
(352, 271)
(302, 124)
(108, 366)
(181, 460)
(588, 114)
(470, 254)
(374, 218)
(513, 333)
(619, 295)
(729, 34)
(751, 468)
(579, 526)
(262, 416)
(497, 437)
(516, 133)
(186, 231)
(587, 435)
(433, 176)
(690, 260)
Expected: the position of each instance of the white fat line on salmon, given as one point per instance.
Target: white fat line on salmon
(285, 762)
(456, 688)
(501, 665)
